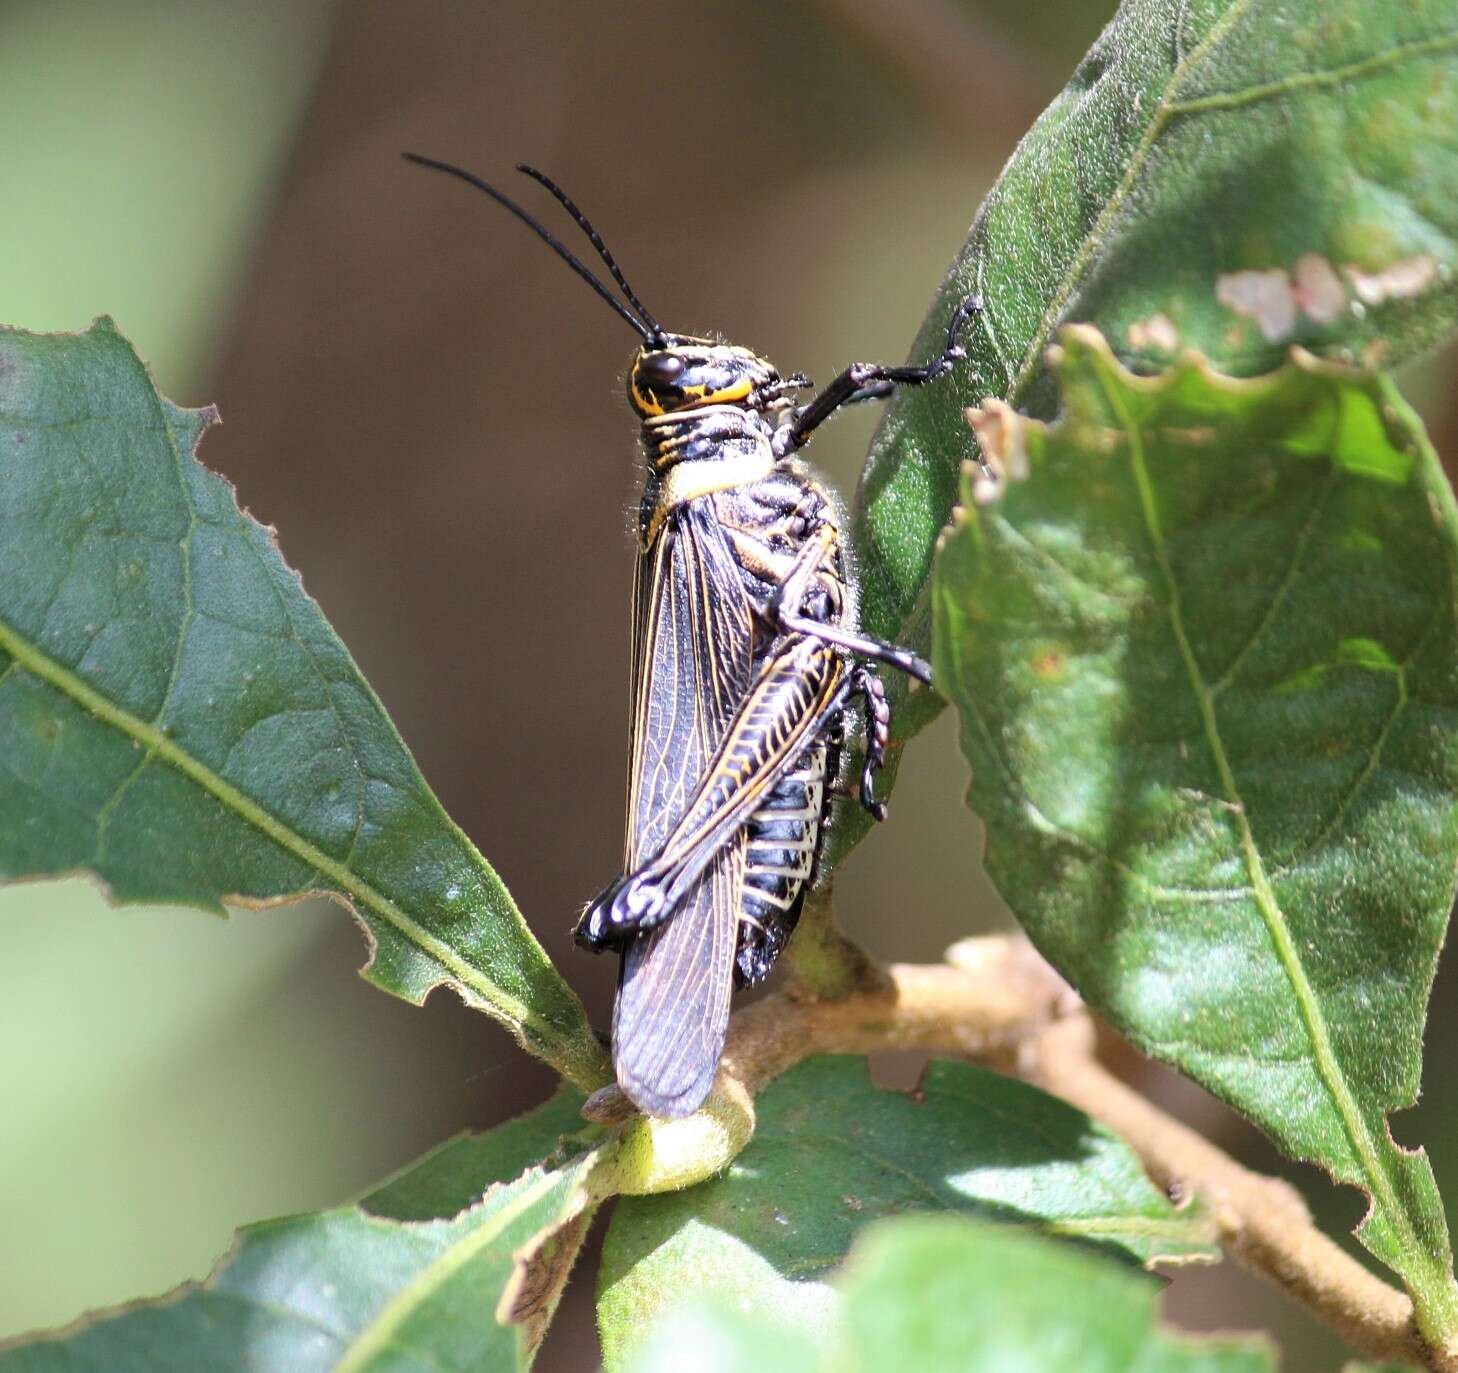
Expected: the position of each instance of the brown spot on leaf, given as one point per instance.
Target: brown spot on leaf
(1318, 290)
(1265, 297)
(1002, 436)
(542, 1266)
(1407, 277)
(1157, 334)
(1049, 664)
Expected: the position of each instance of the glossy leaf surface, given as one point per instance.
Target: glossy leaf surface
(177, 717)
(1228, 175)
(833, 1153)
(456, 1264)
(947, 1295)
(1204, 652)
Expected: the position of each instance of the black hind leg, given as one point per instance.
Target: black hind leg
(872, 691)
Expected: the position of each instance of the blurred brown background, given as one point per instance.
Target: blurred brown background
(428, 406)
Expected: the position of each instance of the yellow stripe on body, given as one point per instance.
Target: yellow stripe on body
(690, 480)
(758, 769)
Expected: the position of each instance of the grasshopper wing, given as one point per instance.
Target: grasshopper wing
(692, 660)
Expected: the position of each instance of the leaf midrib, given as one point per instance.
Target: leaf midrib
(380, 1333)
(158, 744)
(1373, 1161)
(1017, 381)
(1165, 113)
(1158, 121)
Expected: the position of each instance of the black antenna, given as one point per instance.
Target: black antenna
(551, 240)
(595, 239)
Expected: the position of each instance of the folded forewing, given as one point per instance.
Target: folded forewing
(693, 648)
(692, 652)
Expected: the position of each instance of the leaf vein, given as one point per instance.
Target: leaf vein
(1374, 758)
(361, 783)
(1278, 599)
(108, 807)
(1087, 249)
(1365, 1147)
(342, 878)
(184, 546)
(1013, 788)
(1308, 80)
(382, 1330)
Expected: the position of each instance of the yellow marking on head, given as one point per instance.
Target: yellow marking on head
(646, 404)
(742, 389)
(739, 391)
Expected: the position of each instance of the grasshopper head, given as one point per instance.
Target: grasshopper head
(684, 373)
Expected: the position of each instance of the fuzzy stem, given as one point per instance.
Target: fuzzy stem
(983, 1008)
(996, 1001)
(1262, 1222)
(824, 964)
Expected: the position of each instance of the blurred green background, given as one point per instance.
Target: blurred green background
(429, 408)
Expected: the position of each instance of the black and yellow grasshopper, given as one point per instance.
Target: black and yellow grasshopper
(746, 657)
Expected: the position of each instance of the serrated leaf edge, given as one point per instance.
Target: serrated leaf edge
(1436, 1295)
(354, 892)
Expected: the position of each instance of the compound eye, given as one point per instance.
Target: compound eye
(660, 369)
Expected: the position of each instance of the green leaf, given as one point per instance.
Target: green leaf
(1196, 145)
(1204, 652)
(938, 1293)
(177, 717)
(406, 1279)
(726, 1338)
(452, 1176)
(832, 1153)
(1227, 175)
